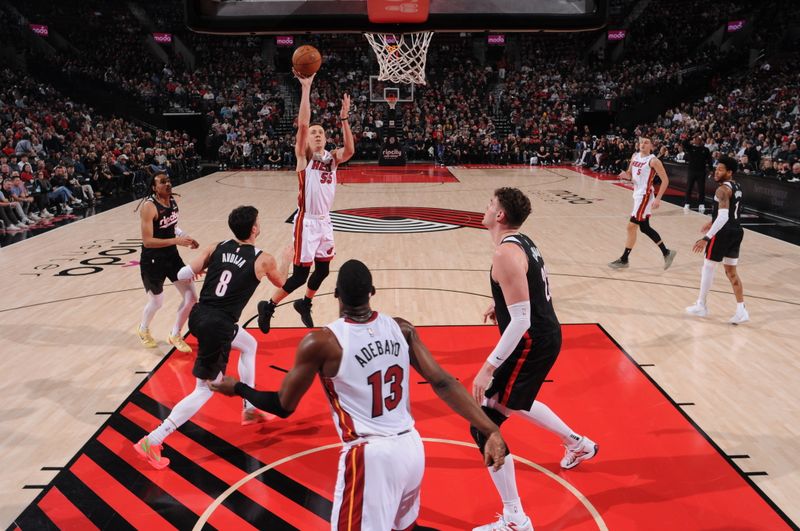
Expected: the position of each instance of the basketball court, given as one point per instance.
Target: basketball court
(695, 418)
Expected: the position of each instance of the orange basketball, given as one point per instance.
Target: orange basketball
(306, 60)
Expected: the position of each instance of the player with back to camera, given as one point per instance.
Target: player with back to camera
(235, 268)
(313, 230)
(363, 360)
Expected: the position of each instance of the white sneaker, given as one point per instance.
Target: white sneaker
(741, 316)
(67, 208)
(504, 525)
(698, 309)
(583, 450)
(46, 213)
(34, 217)
(701, 209)
(686, 207)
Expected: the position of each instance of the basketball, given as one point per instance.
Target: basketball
(306, 60)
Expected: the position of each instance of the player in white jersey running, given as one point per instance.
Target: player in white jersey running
(642, 170)
(313, 230)
(363, 360)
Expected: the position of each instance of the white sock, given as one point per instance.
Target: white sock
(706, 280)
(154, 302)
(246, 345)
(183, 411)
(543, 416)
(186, 288)
(739, 307)
(506, 483)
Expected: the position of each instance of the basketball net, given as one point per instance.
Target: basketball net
(401, 56)
(391, 100)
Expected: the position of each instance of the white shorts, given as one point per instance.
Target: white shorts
(642, 205)
(377, 488)
(313, 240)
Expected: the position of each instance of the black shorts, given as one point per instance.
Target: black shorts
(214, 331)
(156, 267)
(725, 244)
(518, 380)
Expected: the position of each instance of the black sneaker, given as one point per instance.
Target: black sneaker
(265, 312)
(304, 309)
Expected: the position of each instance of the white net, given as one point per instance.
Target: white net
(401, 57)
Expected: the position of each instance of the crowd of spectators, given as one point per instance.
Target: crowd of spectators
(56, 155)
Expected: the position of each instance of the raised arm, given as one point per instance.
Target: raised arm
(454, 395)
(343, 154)
(303, 120)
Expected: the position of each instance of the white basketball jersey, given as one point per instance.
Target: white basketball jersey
(369, 394)
(317, 186)
(643, 174)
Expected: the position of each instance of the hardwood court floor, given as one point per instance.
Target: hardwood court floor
(71, 351)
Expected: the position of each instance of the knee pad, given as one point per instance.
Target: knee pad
(298, 278)
(321, 270)
(496, 417)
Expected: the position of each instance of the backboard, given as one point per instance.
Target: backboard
(396, 16)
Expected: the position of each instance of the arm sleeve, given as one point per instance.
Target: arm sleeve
(179, 232)
(722, 219)
(268, 401)
(520, 323)
(186, 273)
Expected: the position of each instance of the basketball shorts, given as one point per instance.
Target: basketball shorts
(517, 381)
(378, 484)
(725, 244)
(156, 267)
(214, 331)
(313, 240)
(642, 206)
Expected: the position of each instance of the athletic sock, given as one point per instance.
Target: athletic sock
(306, 300)
(506, 483)
(739, 307)
(626, 254)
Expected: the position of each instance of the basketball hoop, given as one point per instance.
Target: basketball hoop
(401, 57)
(391, 99)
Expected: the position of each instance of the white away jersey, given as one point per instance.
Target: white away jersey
(643, 174)
(317, 186)
(369, 394)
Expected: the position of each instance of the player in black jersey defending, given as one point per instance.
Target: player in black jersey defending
(510, 379)
(160, 260)
(234, 268)
(722, 240)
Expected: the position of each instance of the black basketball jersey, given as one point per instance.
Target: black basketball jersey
(164, 224)
(230, 278)
(734, 206)
(543, 316)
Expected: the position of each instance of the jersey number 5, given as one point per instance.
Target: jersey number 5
(393, 377)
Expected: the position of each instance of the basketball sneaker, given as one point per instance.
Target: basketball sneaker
(697, 309)
(147, 339)
(266, 309)
(505, 525)
(252, 415)
(669, 257)
(151, 453)
(741, 316)
(618, 264)
(583, 450)
(179, 343)
(304, 309)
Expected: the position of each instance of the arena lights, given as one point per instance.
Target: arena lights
(735, 25)
(40, 30)
(163, 38)
(617, 35)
